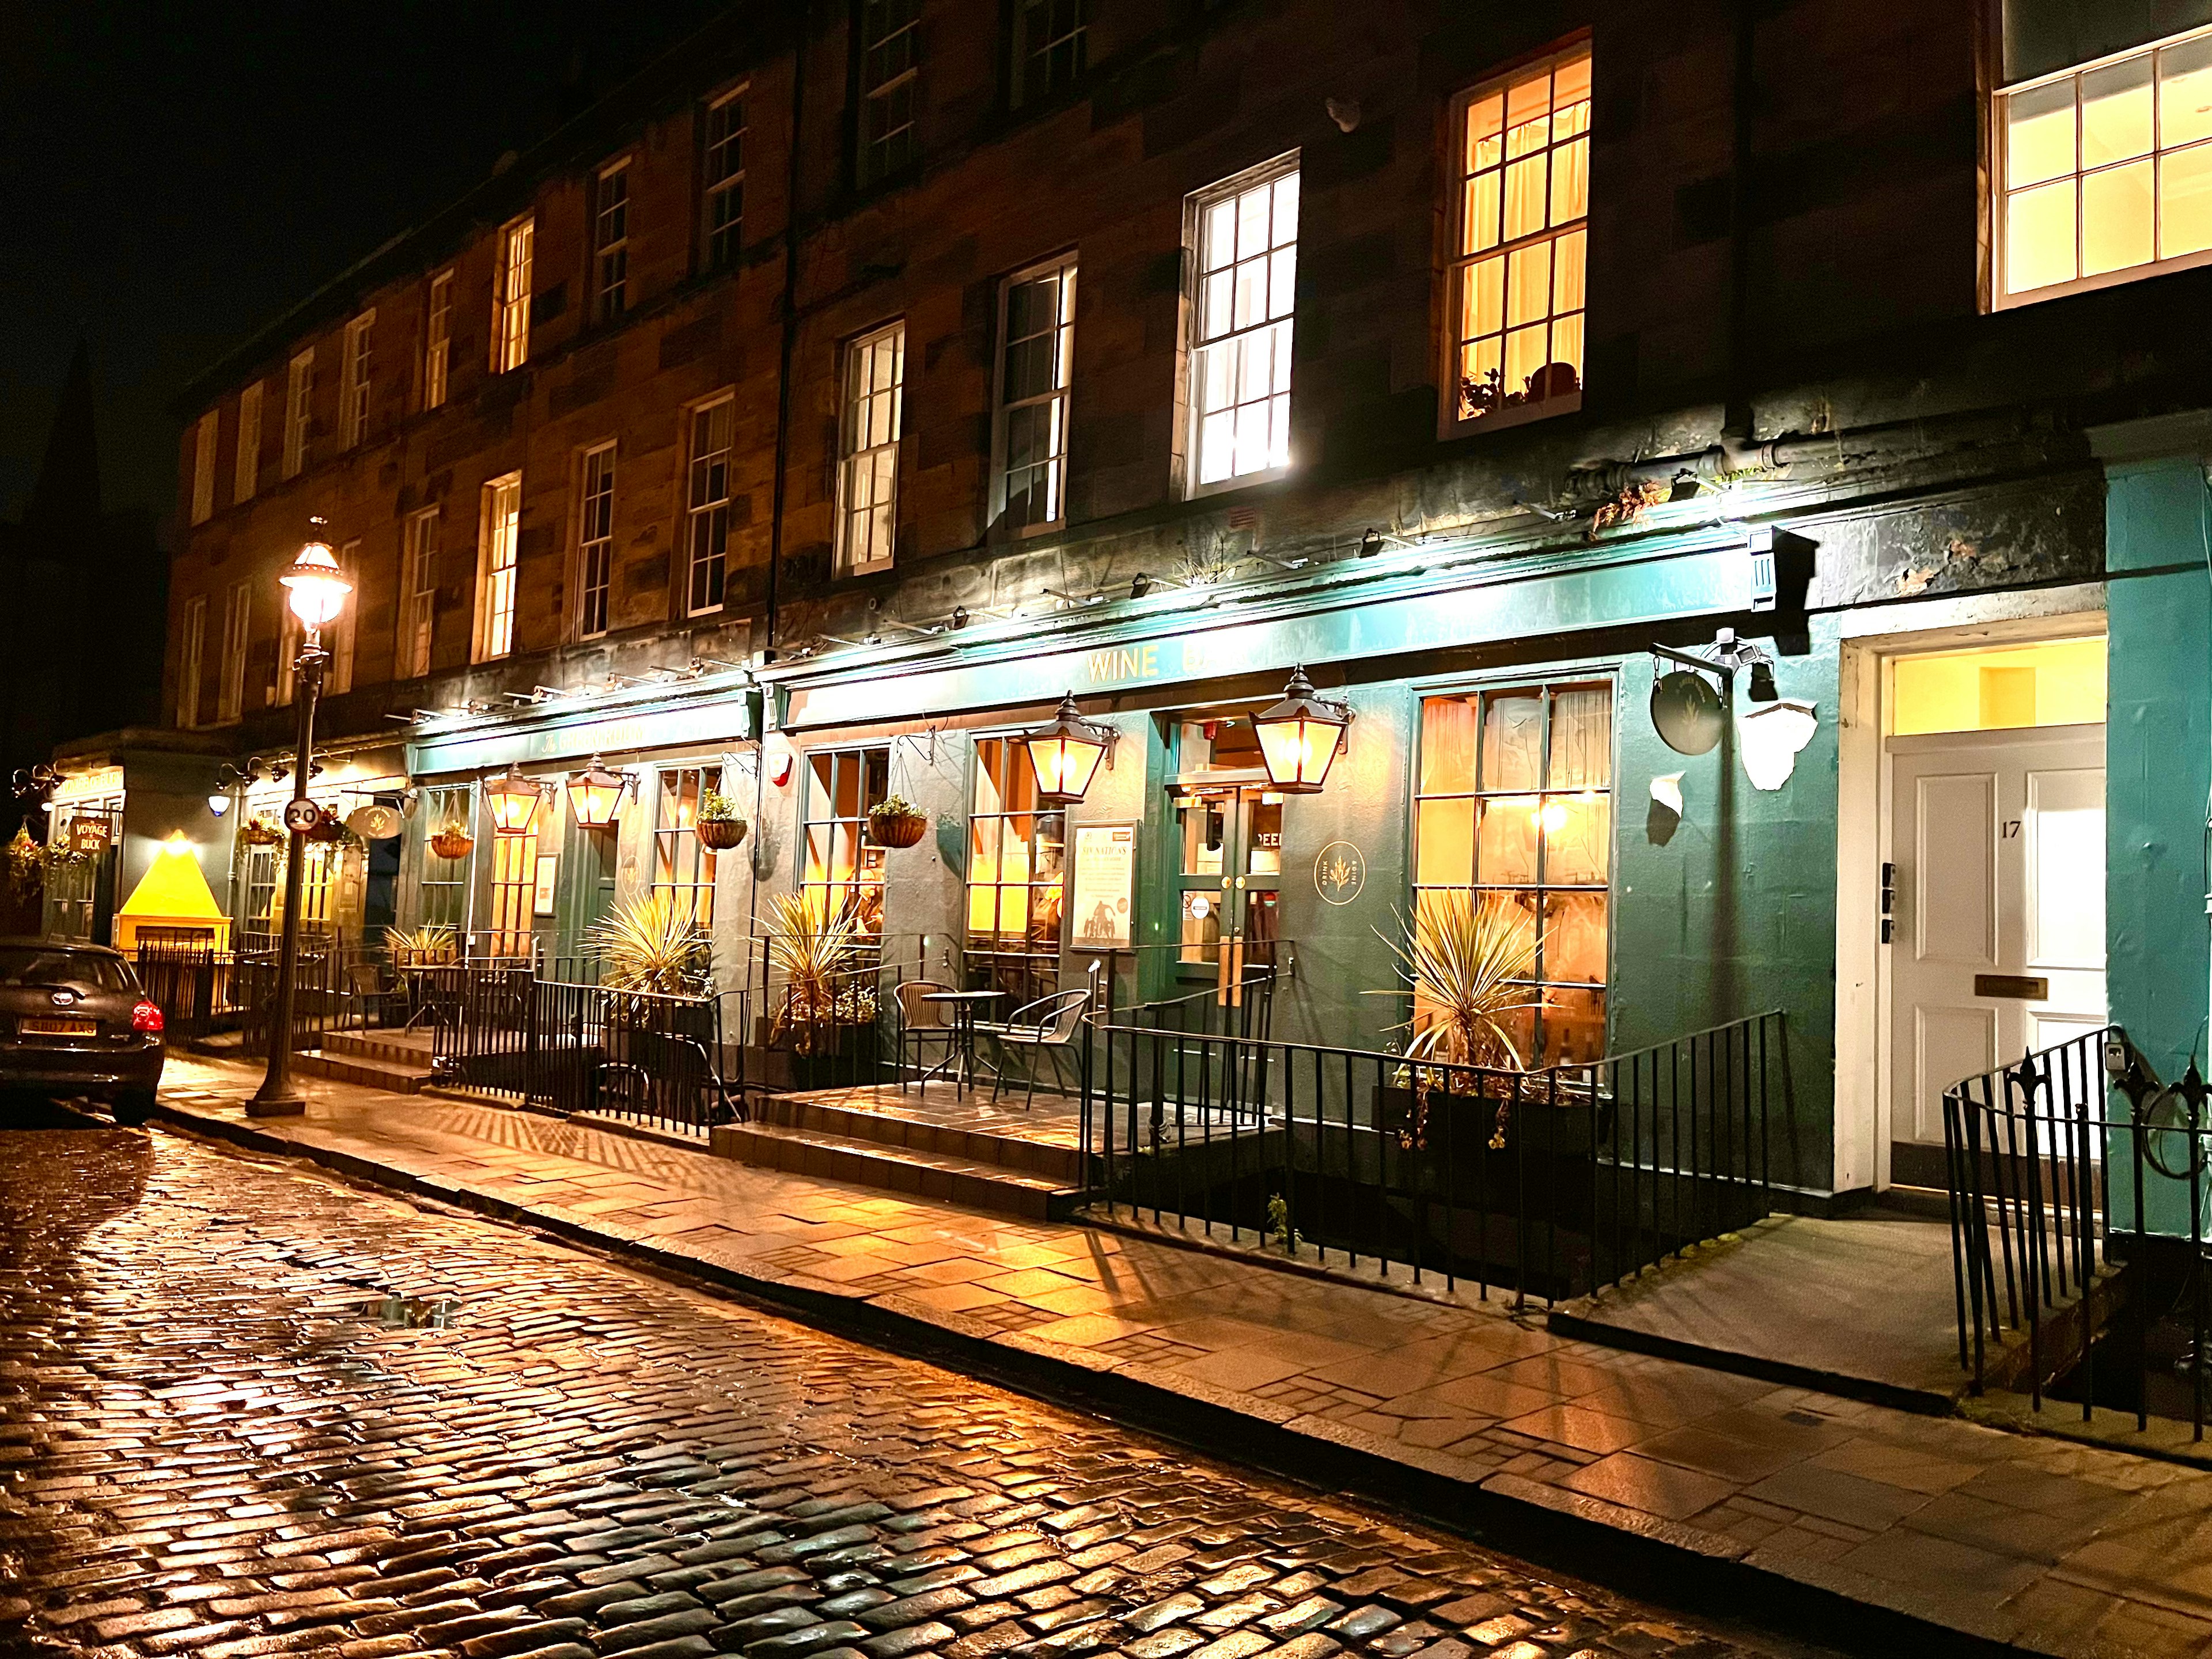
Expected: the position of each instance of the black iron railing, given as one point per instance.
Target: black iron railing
(2079, 1200)
(1550, 1183)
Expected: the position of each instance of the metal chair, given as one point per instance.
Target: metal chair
(366, 990)
(1046, 1027)
(922, 1023)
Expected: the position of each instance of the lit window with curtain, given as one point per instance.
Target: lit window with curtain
(707, 506)
(611, 242)
(843, 868)
(418, 594)
(192, 657)
(1017, 876)
(1521, 213)
(237, 622)
(511, 289)
(1051, 47)
(288, 636)
(723, 178)
(1036, 365)
(438, 340)
(353, 384)
(246, 469)
(682, 869)
(1246, 237)
(868, 442)
(889, 78)
(299, 385)
(338, 637)
(2105, 170)
(595, 541)
(495, 585)
(205, 434)
(1514, 807)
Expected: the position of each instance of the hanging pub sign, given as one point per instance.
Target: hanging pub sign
(88, 834)
(1105, 885)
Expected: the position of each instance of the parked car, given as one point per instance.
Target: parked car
(74, 1021)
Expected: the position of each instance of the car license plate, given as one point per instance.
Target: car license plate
(58, 1027)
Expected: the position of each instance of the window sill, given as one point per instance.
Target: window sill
(1199, 492)
(2110, 279)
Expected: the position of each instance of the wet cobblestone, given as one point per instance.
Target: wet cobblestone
(213, 1441)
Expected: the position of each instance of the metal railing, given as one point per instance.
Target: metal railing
(637, 1055)
(1550, 1183)
(2077, 1224)
(207, 995)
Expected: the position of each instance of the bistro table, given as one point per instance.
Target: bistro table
(963, 1005)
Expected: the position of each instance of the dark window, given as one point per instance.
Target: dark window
(890, 68)
(610, 244)
(724, 180)
(1049, 38)
(595, 536)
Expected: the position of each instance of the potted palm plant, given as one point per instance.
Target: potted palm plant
(421, 947)
(652, 945)
(827, 1014)
(895, 821)
(719, 827)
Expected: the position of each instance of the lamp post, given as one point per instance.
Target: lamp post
(316, 590)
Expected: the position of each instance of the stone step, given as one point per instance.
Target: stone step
(887, 1126)
(392, 1076)
(906, 1170)
(386, 1046)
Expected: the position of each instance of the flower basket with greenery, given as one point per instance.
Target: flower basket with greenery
(452, 841)
(719, 827)
(260, 832)
(326, 828)
(817, 952)
(895, 820)
(1462, 961)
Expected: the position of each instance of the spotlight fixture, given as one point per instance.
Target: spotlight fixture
(1371, 545)
(1139, 585)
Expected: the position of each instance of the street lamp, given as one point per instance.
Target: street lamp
(513, 800)
(316, 590)
(1066, 754)
(1299, 737)
(595, 793)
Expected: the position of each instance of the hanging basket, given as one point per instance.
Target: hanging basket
(259, 832)
(897, 828)
(452, 843)
(720, 834)
(326, 828)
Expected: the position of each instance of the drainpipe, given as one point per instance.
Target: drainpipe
(1735, 421)
(785, 346)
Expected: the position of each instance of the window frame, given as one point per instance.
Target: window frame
(337, 679)
(609, 254)
(439, 804)
(299, 410)
(720, 241)
(237, 646)
(353, 380)
(438, 340)
(1192, 350)
(246, 464)
(867, 858)
(1022, 92)
(498, 603)
(595, 536)
(1038, 975)
(206, 435)
(1068, 267)
(191, 661)
(511, 890)
(1547, 685)
(675, 846)
(418, 594)
(1997, 194)
(893, 152)
(850, 453)
(510, 309)
(1459, 266)
(710, 510)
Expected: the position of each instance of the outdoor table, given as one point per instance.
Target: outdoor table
(963, 1004)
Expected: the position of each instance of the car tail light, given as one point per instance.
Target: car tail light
(146, 1016)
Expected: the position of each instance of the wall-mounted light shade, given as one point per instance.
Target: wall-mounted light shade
(218, 802)
(1066, 754)
(513, 800)
(594, 794)
(316, 587)
(1298, 737)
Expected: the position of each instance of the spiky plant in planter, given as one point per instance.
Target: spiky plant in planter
(1462, 960)
(815, 952)
(421, 947)
(652, 945)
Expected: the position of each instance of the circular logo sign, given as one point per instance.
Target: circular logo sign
(1339, 871)
(302, 815)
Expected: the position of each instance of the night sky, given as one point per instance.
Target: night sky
(172, 177)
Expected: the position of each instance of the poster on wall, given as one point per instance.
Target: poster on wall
(1105, 884)
(549, 869)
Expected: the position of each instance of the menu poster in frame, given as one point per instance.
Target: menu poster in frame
(549, 871)
(1105, 886)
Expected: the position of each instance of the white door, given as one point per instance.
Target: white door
(1997, 940)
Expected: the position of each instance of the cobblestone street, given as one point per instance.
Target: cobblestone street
(245, 1410)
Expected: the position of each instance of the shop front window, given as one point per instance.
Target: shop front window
(682, 868)
(442, 892)
(513, 890)
(843, 868)
(1515, 807)
(1016, 861)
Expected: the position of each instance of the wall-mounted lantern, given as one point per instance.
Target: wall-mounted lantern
(513, 800)
(1300, 736)
(1065, 755)
(595, 794)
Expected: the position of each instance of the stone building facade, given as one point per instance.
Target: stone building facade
(879, 375)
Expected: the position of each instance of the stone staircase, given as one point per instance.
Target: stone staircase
(1024, 1169)
(398, 1062)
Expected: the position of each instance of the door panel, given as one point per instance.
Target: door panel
(1999, 842)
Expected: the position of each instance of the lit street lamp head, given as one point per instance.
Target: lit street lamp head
(1299, 737)
(318, 588)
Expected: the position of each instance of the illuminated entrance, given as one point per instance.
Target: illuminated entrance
(1225, 829)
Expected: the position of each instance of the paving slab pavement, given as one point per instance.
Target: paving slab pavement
(2052, 1546)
